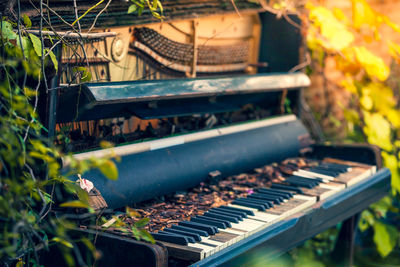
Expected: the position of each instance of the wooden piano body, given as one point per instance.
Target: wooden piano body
(136, 90)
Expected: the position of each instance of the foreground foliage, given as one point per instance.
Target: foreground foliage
(32, 186)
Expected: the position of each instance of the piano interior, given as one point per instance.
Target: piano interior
(206, 117)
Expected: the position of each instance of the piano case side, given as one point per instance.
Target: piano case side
(113, 250)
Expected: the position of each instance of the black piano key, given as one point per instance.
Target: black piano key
(248, 212)
(241, 213)
(336, 166)
(277, 191)
(303, 180)
(220, 225)
(333, 167)
(316, 181)
(334, 171)
(249, 205)
(196, 237)
(275, 199)
(237, 216)
(287, 187)
(212, 230)
(189, 238)
(267, 203)
(191, 230)
(221, 217)
(300, 184)
(175, 239)
(282, 195)
(261, 199)
(227, 224)
(321, 172)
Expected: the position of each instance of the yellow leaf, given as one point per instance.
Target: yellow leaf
(132, 213)
(20, 263)
(366, 102)
(109, 169)
(349, 85)
(383, 99)
(334, 33)
(393, 115)
(364, 14)
(373, 65)
(378, 130)
(340, 15)
(394, 50)
(74, 204)
(62, 241)
(391, 24)
(385, 238)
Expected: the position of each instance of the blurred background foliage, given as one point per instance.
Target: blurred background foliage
(341, 43)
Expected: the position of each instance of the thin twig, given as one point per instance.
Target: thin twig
(98, 15)
(34, 108)
(87, 11)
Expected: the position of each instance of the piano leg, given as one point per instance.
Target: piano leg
(344, 247)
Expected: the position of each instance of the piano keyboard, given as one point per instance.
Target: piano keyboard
(206, 233)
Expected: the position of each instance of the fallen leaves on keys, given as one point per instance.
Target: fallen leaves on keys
(172, 209)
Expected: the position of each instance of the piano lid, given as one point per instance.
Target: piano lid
(155, 98)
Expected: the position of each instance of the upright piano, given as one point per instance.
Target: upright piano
(207, 117)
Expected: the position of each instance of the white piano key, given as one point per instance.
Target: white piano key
(207, 250)
(220, 245)
(309, 174)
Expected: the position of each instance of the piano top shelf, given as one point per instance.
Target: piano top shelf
(139, 91)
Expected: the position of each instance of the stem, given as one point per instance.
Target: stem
(90, 9)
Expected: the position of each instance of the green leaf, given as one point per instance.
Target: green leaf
(135, 233)
(7, 31)
(155, 4)
(367, 220)
(62, 241)
(161, 7)
(146, 236)
(142, 222)
(27, 21)
(132, 8)
(54, 60)
(140, 10)
(74, 204)
(109, 169)
(85, 74)
(37, 44)
(83, 196)
(385, 237)
(88, 244)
